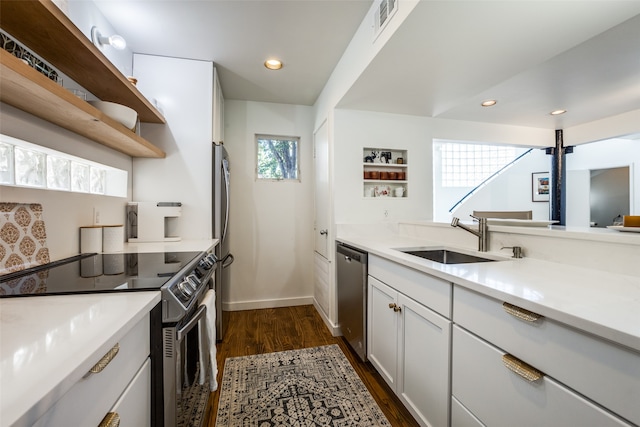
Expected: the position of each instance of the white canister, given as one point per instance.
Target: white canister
(399, 191)
(113, 238)
(91, 239)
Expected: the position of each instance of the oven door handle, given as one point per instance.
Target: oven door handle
(202, 311)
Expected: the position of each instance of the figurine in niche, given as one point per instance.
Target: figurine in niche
(369, 159)
(386, 155)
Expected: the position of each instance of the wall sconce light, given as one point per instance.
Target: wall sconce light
(116, 41)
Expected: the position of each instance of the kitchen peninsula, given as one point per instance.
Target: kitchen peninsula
(581, 323)
(48, 344)
(70, 359)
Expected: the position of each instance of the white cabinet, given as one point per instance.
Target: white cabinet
(133, 408)
(382, 330)
(500, 397)
(184, 90)
(218, 109)
(569, 359)
(423, 362)
(94, 396)
(385, 173)
(409, 345)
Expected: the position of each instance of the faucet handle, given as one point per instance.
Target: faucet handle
(517, 251)
(480, 219)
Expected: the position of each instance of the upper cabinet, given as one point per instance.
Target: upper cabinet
(46, 30)
(218, 109)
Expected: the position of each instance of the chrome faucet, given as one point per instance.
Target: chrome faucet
(482, 232)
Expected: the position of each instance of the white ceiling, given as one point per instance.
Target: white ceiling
(532, 56)
(309, 36)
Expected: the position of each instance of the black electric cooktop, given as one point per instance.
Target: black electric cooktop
(90, 273)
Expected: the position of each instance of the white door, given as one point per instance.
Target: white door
(322, 208)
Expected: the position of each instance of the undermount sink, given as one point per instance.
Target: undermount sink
(445, 256)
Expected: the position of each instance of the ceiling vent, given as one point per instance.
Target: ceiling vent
(383, 14)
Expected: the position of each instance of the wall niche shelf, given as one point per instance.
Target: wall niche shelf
(49, 33)
(381, 179)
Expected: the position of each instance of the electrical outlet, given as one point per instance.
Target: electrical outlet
(386, 213)
(96, 216)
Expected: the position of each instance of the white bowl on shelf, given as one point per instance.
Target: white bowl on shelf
(118, 112)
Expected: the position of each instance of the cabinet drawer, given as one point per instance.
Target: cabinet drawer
(461, 417)
(499, 397)
(604, 372)
(134, 405)
(427, 290)
(87, 402)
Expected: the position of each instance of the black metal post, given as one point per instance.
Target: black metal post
(558, 184)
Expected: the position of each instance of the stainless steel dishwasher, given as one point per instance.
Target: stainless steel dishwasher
(352, 297)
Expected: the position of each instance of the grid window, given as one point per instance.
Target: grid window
(467, 165)
(277, 158)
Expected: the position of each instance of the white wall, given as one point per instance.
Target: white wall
(271, 229)
(354, 130)
(64, 212)
(357, 56)
(85, 15)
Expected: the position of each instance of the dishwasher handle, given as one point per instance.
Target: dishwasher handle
(351, 254)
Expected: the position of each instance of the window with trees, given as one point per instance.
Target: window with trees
(277, 157)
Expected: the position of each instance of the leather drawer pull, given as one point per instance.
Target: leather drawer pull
(112, 419)
(517, 366)
(521, 313)
(106, 359)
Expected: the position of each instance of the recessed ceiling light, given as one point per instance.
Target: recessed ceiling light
(557, 112)
(489, 103)
(273, 64)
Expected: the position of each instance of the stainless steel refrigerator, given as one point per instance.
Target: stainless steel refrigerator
(221, 205)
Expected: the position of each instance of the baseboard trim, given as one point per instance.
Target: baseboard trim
(256, 305)
(335, 330)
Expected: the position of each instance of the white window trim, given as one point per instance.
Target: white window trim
(260, 136)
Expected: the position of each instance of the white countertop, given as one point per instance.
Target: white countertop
(604, 304)
(48, 343)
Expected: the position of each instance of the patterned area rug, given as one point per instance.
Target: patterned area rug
(309, 387)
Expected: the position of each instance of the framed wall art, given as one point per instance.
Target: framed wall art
(540, 186)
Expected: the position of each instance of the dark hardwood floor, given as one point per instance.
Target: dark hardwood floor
(279, 329)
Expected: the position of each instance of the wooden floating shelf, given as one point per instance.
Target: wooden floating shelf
(50, 34)
(26, 89)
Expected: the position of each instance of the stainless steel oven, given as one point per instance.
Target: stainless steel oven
(186, 367)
